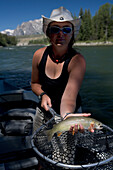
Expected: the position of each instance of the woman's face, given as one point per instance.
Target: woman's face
(60, 37)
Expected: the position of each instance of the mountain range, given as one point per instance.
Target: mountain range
(26, 28)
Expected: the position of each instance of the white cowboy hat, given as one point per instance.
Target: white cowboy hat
(61, 15)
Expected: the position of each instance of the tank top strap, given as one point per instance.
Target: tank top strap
(42, 63)
(44, 59)
(66, 63)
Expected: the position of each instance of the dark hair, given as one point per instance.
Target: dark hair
(47, 31)
(72, 41)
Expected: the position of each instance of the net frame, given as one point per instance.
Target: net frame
(62, 165)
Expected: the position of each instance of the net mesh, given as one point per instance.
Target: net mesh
(83, 149)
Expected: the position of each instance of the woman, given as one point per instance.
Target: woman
(58, 70)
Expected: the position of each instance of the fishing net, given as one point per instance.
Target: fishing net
(79, 151)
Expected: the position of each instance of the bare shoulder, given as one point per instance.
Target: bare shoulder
(77, 61)
(38, 54)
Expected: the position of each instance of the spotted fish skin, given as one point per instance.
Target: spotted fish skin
(66, 124)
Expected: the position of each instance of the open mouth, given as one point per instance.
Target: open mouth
(100, 127)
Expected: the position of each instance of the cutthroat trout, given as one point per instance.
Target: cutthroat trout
(71, 121)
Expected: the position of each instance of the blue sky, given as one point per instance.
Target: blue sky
(14, 12)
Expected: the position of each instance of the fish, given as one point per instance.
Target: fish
(66, 124)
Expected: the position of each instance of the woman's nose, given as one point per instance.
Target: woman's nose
(61, 33)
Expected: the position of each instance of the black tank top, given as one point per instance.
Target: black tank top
(55, 87)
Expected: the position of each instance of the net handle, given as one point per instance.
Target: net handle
(52, 111)
(45, 124)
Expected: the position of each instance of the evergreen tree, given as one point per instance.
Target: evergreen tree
(85, 32)
(97, 27)
(74, 16)
(81, 31)
(86, 28)
(90, 24)
(81, 13)
(110, 28)
(87, 25)
(104, 19)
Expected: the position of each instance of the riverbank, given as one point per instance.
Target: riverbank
(93, 43)
(26, 43)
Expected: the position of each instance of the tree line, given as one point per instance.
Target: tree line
(6, 40)
(39, 41)
(98, 27)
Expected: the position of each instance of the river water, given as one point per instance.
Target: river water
(97, 87)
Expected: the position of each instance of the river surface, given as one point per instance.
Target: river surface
(97, 87)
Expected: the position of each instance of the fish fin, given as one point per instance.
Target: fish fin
(73, 131)
(49, 134)
(92, 124)
(59, 133)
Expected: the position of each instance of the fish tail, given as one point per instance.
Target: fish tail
(49, 134)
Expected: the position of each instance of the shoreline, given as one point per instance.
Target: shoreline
(108, 43)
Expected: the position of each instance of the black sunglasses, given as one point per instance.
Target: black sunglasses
(56, 30)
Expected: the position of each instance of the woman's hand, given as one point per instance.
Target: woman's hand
(74, 129)
(46, 101)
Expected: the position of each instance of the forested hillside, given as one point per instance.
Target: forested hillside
(6, 40)
(98, 27)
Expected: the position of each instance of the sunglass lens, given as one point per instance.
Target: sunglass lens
(55, 30)
(66, 30)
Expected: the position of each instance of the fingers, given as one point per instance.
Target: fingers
(91, 128)
(74, 129)
(46, 101)
(81, 128)
(83, 114)
(49, 103)
(78, 114)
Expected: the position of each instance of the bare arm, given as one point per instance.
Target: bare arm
(68, 102)
(76, 70)
(35, 84)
